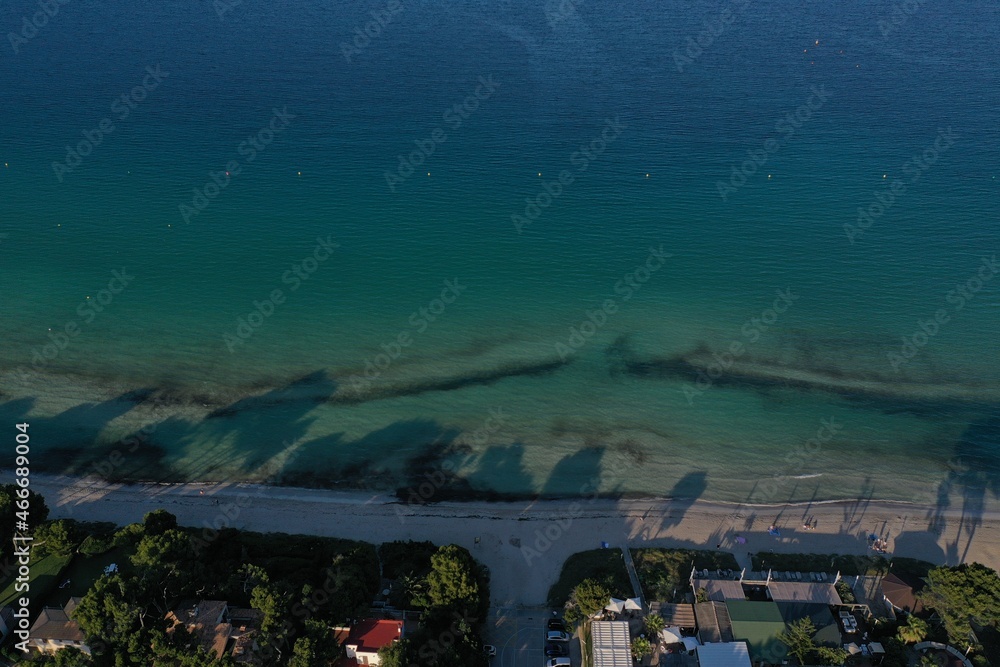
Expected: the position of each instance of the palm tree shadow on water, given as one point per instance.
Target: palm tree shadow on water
(64, 443)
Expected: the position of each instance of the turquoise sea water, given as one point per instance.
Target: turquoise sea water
(501, 391)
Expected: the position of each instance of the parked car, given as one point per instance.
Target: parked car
(556, 650)
(556, 624)
(558, 662)
(557, 636)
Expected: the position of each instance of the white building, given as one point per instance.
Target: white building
(612, 646)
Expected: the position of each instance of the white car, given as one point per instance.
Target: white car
(558, 662)
(556, 636)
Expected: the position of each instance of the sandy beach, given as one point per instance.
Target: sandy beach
(525, 544)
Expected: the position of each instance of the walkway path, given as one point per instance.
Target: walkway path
(630, 566)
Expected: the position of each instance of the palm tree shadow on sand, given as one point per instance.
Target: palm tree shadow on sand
(974, 472)
(683, 495)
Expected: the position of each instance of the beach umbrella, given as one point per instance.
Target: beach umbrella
(615, 605)
(852, 648)
(633, 603)
(671, 636)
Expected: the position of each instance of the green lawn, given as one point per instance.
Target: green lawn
(45, 577)
(83, 572)
(832, 563)
(607, 565)
(664, 573)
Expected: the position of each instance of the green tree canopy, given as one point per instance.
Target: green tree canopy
(963, 596)
(59, 537)
(641, 647)
(394, 655)
(67, 657)
(591, 596)
(37, 511)
(158, 522)
(798, 637)
(454, 579)
(111, 615)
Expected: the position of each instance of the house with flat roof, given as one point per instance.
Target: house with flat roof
(726, 654)
(802, 591)
(758, 624)
(54, 630)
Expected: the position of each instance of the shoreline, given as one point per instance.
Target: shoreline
(525, 543)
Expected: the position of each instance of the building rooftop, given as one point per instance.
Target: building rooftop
(714, 624)
(55, 623)
(801, 591)
(205, 620)
(721, 589)
(759, 624)
(678, 615)
(729, 654)
(369, 635)
(612, 646)
(901, 593)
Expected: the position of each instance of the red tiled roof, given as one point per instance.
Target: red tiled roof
(370, 635)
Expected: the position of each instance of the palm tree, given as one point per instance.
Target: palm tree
(655, 623)
(914, 631)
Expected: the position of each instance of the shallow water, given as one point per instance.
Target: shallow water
(494, 388)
